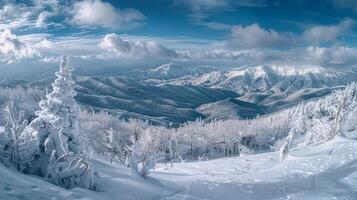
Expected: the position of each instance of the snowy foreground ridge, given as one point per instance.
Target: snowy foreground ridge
(326, 171)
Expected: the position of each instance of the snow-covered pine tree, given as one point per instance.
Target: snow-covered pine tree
(61, 111)
(61, 159)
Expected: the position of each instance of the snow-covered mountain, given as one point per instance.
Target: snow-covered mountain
(271, 87)
(169, 71)
(270, 79)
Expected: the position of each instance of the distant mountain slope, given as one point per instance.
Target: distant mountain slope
(230, 109)
(130, 98)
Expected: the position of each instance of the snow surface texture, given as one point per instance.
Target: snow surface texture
(326, 171)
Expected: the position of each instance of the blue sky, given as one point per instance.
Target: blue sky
(217, 32)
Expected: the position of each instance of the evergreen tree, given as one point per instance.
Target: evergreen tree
(61, 112)
(57, 127)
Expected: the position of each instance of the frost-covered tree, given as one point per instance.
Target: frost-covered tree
(296, 133)
(15, 125)
(60, 111)
(61, 159)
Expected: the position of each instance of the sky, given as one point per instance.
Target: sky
(215, 32)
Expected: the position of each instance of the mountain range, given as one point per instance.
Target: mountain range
(174, 94)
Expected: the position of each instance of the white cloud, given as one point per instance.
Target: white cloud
(135, 49)
(14, 16)
(332, 56)
(32, 14)
(42, 19)
(99, 13)
(11, 49)
(254, 36)
(336, 56)
(319, 34)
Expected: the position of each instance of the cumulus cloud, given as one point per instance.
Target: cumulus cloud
(319, 34)
(254, 36)
(135, 49)
(102, 14)
(11, 49)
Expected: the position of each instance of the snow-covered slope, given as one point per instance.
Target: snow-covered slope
(117, 182)
(326, 171)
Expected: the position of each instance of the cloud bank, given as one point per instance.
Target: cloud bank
(255, 36)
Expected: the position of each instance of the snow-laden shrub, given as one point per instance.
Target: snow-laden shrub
(109, 137)
(27, 99)
(351, 122)
(145, 153)
(70, 171)
(11, 141)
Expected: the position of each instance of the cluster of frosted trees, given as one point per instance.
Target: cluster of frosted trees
(321, 121)
(117, 141)
(52, 144)
(313, 122)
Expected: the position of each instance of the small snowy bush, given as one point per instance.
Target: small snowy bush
(144, 154)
